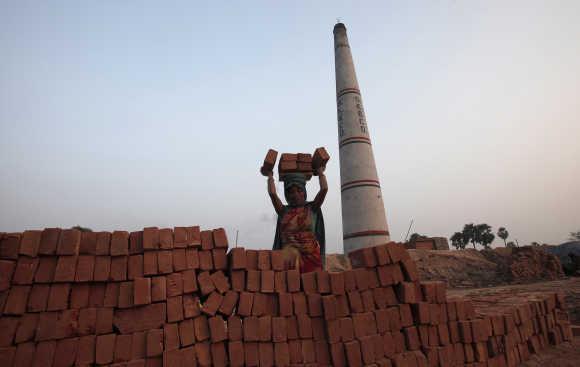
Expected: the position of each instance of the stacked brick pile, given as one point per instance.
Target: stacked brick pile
(176, 297)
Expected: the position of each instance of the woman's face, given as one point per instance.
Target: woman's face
(296, 196)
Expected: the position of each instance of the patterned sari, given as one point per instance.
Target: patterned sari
(298, 240)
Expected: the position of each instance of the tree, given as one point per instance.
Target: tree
(469, 234)
(503, 234)
(458, 241)
(484, 235)
(574, 236)
(510, 244)
(82, 229)
(535, 243)
(416, 236)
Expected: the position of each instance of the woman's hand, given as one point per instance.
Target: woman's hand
(320, 171)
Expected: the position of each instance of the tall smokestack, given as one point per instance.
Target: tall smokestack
(364, 222)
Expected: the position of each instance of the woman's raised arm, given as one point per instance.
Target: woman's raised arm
(276, 202)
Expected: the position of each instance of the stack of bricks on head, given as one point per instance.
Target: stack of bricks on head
(178, 298)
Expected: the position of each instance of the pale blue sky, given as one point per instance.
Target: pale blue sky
(121, 115)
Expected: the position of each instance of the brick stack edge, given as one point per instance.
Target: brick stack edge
(176, 297)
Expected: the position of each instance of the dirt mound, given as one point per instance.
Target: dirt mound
(530, 263)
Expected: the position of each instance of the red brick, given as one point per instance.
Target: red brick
(304, 326)
(368, 300)
(382, 255)
(421, 312)
(154, 342)
(191, 306)
(97, 295)
(65, 269)
(281, 354)
(337, 355)
(151, 238)
(364, 257)
(410, 270)
(267, 281)
(219, 355)
(174, 284)
(465, 331)
(236, 353)
(189, 281)
(142, 318)
(235, 328)
(66, 351)
(253, 280)
(220, 238)
(66, 325)
(237, 258)
(80, 295)
(9, 245)
(406, 293)
(25, 270)
(228, 303)
(203, 353)
(192, 258)
(323, 282)
(26, 328)
(212, 303)
(166, 238)
(206, 285)
(58, 297)
(252, 259)
(85, 268)
(180, 237)
(218, 329)
(171, 337)
(277, 260)
(87, 321)
(150, 263)
(309, 282)
(44, 354)
(17, 300)
(397, 252)
(353, 353)
(342, 308)
(220, 281)
(238, 279)
(205, 260)
(201, 327)
(207, 240)
(362, 279)
(164, 262)
(174, 309)
(38, 297)
(220, 259)
(405, 315)
(280, 282)
(126, 294)
(245, 304)
(329, 306)
(45, 331)
(86, 350)
(49, 241)
(308, 352)
(142, 291)
(355, 301)
(105, 347)
(102, 268)
(186, 333)
(193, 236)
(135, 267)
(136, 242)
(266, 351)
(293, 280)
(119, 243)
(251, 354)
(314, 304)
(68, 242)
(172, 358)
(88, 245)
(30, 243)
(299, 303)
(123, 348)
(118, 268)
(412, 338)
(179, 260)
(265, 328)
(103, 243)
(264, 262)
(158, 289)
(6, 270)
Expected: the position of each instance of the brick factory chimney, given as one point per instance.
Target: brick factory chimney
(364, 221)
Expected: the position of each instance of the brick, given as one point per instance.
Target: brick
(158, 289)
(17, 300)
(266, 352)
(218, 329)
(191, 306)
(421, 312)
(203, 353)
(30, 243)
(193, 236)
(174, 309)
(314, 304)
(411, 338)
(102, 268)
(105, 318)
(8, 325)
(206, 285)
(164, 262)
(465, 331)
(126, 294)
(219, 355)
(118, 268)
(154, 342)
(143, 318)
(228, 303)
(238, 279)
(87, 321)
(25, 270)
(281, 354)
(26, 328)
(405, 315)
(245, 304)
(180, 237)
(267, 281)
(66, 325)
(304, 326)
(88, 245)
(192, 258)
(65, 353)
(265, 328)
(49, 241)
(58, 297)
(201, 327)
(69, 242)
(123, 348)
(299, 303)
(220, 259)
(212, 304)
(220, 281)
(174, 283)
(236, 353)
(329, 307)
(293, 280)
(189, 281)
(252, 259)
(205, 260)
(142, 291)
(237, 258)
(119, 243)
(135, 267)
(179, 260)
(308, 352)
(150, 263)
(85, 268)
(43, 356)
(318, 328)
(363, 257)
(103, 245)
(45, 330)
(277, 260)
(253, 280)
(397, 252)
(264, 262)
(309, 282)
(353, 353)
(207, 240)
(136, 242)
(410, 271)
(9, 246)
(38, 298)
(166, 238)
(151, 238)
(86, 350)
(368, 300)
(105, 347)
(186, 333)
(220, 238)
(406, 293)
(6, 270)
(361, 278)
(65, 269)
(382, 255)
(171, 337)
(235, 328)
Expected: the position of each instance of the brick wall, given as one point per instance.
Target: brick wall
(177, 297)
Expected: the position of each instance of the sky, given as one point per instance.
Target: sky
(123, 115)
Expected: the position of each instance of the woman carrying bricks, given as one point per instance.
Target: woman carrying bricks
(300, 226)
